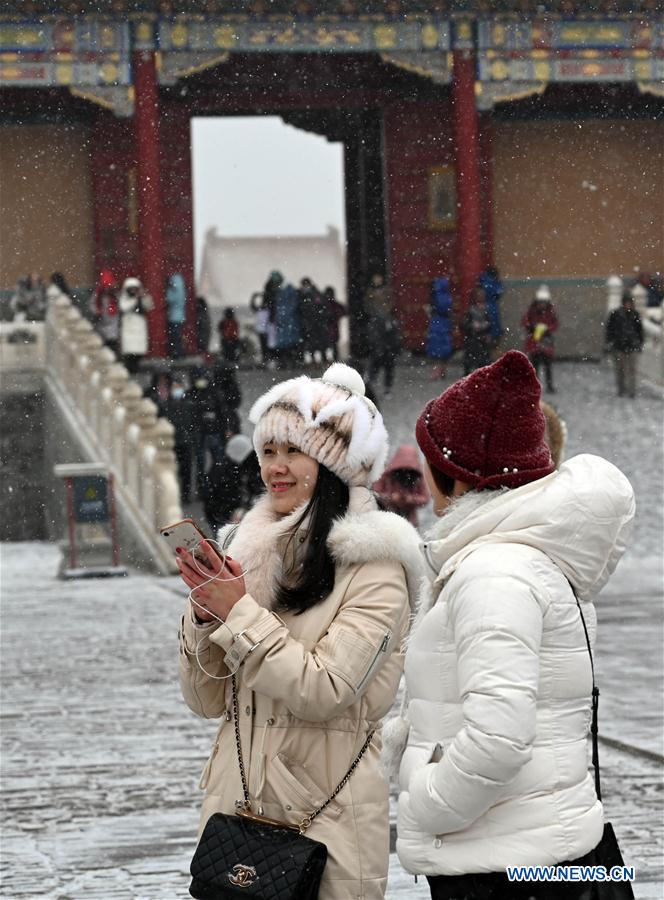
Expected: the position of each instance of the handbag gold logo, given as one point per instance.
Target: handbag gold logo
(243, 876)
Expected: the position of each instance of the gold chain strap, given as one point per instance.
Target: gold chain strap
(308, 819)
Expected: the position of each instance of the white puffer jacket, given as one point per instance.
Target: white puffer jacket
(498, 673)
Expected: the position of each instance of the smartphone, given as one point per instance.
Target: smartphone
(186, 534)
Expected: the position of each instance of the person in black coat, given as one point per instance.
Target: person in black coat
(159, 389)
(203, 326)
(225, 385)
(178, 409)
(385, 343)
(214, 418)
(314, 317)
(334, 312)
(624, 339)
(233, 483)
(476, 327)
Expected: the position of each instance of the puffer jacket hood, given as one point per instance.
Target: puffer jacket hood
(580, 517)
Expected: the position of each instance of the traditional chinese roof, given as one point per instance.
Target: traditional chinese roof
(262, 9)
(520, 46)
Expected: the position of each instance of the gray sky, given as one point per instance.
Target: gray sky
(259, 176)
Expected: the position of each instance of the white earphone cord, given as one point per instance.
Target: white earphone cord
(191, 599)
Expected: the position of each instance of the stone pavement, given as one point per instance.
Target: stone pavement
(101, 758)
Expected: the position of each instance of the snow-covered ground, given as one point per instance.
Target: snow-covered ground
(101, 758)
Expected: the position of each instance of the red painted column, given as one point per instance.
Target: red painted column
(469, 205)
(486, 147)
(150, 237)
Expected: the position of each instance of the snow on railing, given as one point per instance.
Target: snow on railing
(122, 427)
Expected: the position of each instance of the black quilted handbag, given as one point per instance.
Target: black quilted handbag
(240, 856)
(247, 855)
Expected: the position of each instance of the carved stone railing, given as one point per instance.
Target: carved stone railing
(117, 425)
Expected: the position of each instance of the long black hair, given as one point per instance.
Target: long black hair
(315, 578)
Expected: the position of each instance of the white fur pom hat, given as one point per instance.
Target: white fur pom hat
(327, 418)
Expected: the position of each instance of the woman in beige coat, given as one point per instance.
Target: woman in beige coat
(315, 602)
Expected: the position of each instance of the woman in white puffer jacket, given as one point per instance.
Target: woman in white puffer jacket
(495, 772)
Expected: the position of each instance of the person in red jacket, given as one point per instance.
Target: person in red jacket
(229, 335)
(540, 322)
(105, 311)
(401, 488)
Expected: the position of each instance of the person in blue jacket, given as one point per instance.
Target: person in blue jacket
(288, 326)
(439, 346)
(493, 291)
(176, 302)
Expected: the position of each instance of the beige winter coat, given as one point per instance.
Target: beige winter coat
(313, 688)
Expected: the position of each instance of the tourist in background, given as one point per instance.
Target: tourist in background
(439, 345)
(624, 339)
(229, 335)
(493, 291)
(203, 326)
(57, 287)
(541, 322)
(377, 298)
(401, 488)
(653, 287)
(28, 304)
(210, 425)
(335, 312)
(385, 343)
(105, 311)
(225, 494)
(284, 320)
(176, 308)
(134, 304)
(476, 328)
(225, 385)
(261, 323)
(159, 389)
(314, 319)
(177, 407)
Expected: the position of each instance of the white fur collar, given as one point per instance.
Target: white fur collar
(364, 534)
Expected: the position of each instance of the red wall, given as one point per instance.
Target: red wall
(112, 157)
(418, 137)
(116, 213)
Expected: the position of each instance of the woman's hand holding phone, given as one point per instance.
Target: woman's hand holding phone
(218, 596)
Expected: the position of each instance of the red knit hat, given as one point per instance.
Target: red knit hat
(488, 429)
